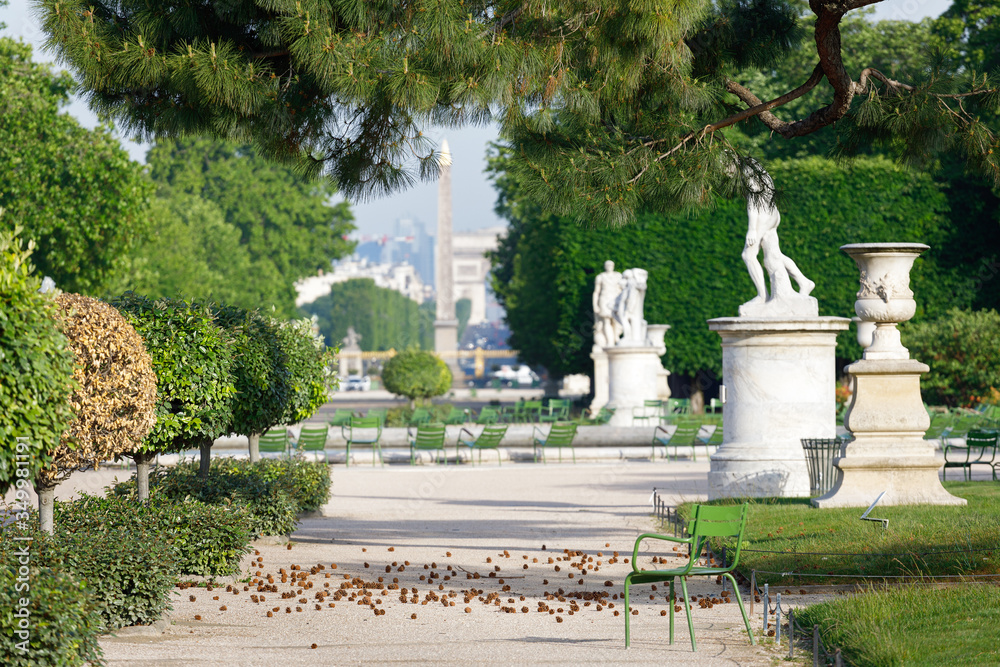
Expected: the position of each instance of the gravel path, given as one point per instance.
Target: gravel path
(431, 531)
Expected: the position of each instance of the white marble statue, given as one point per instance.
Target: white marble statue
(762, 235)
(607, 287)
(629, 306)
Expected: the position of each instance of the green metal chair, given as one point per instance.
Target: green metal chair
(274, 441)
(429, 437)
(341, 417)
(685, 434)
(709, 521)
(363, 431)
(378, 413)
(714, 406)
(602, 417)
(488, 415)
(419, 416)
(490, 438)
(313, 439)
(714, 439)
(652, 409)
(560, 436)
(531, 412)
(677, 408)
(456, 417)
(556, 411)
(980, 448)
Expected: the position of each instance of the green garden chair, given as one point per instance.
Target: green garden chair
(560, 436)
(378, 413)
(313, 439)
(685, 434)
(488, 415)
(724, 521)
(652, 409)
(980, 448)
(714, 406)
(363, 431)
(456, 417)
(602, 417)
(274, 441)
(714, 439)
(429, 437)
(341, 417)
(490, 438)
(531, 411)
(556, 411)
(419, 416)
(676, 408)
(939, 422)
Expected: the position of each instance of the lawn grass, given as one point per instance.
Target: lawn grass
(966, 539)
(912, 626)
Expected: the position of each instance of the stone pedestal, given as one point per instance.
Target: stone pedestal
(632, 379)
(600, 358)
(780, 377)
(446, 346)
(889, 453)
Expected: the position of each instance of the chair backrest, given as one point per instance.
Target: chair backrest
(561, 434)
(604, 415)
(717, 521)
(492, 435)
(377, 413)
(559, 406)
(984, 440)
(487, 415)
(420, 416)
(341, 416)
(313, 439)
(357, 423)
(686, 433)
(275, 440)
(455, 416)
(430, 436)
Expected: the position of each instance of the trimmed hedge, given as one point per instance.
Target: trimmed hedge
(210, 539)
(62, 620)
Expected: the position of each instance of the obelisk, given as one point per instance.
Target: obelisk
(446, 324)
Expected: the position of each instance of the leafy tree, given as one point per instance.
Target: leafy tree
(416, 374)
(544, 268)
(385, 318)
(36, 370)
(287, 227)
(74, 190)
(260, 371)
(114, 402)
(308, 361)
(961, 347)
(193, 361)
(613, 107)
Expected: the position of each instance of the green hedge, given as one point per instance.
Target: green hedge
(210, 540)
(63, 621)
(129, 570)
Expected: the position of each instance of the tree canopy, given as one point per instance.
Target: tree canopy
(612, 107)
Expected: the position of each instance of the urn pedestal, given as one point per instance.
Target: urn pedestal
(633, 372)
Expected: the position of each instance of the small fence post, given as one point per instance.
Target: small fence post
(753, 588)
(766, 609)
(777, 619)
(791, 634)
(816, 645)
(838, 660)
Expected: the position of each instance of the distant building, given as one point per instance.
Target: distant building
(401, 277)
(409, 243)
(472, 271)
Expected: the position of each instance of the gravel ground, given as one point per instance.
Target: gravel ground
(419, 522)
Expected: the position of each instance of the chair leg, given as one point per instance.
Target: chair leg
(687, 608)
(347, 456)
(628, 637)
(573, 449)
(739, 599)
(672, 603)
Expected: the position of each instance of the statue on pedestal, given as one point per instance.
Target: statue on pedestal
(607, 287)
(629, 305)
(762, 235)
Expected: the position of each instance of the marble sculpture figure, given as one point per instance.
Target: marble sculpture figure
(629, 306)
(607, 287)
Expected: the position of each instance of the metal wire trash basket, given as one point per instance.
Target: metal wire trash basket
(820, 453)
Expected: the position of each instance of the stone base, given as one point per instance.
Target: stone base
(446, 345)
(888, 421)
(632, 379)
(780, 377)
(790, 306)
(600, 379)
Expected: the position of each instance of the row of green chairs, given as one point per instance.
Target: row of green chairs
(687, 434)
(431, 437)
(665, 411)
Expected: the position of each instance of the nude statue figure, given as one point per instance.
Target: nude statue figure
(607, 287)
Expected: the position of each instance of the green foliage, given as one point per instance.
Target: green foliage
(962, 348)
(75, 191)
(63, 622)
(309, 362)
(260, 370)
(544, 269)
(915, 626)
(268, 225)
(386, 319)
(416, 374)
(129, 571)
(209, 540)
(36, 368)
(193, 360)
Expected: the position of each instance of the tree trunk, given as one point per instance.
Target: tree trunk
(697, 394)
(46, 498)
(254, 447)
(206, 458)
(142, 461)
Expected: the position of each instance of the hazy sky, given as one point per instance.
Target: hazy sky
(472, 193)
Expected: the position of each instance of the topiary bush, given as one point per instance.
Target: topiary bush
(62, 618)
(193, 361)
(210, 539)
(36, 369)
(130, 571)
(416, 374)
(307, 482)
(114, 399)
(963, 350)
(309, 362)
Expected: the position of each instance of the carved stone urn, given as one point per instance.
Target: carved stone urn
(885, 297)
(654, 337)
